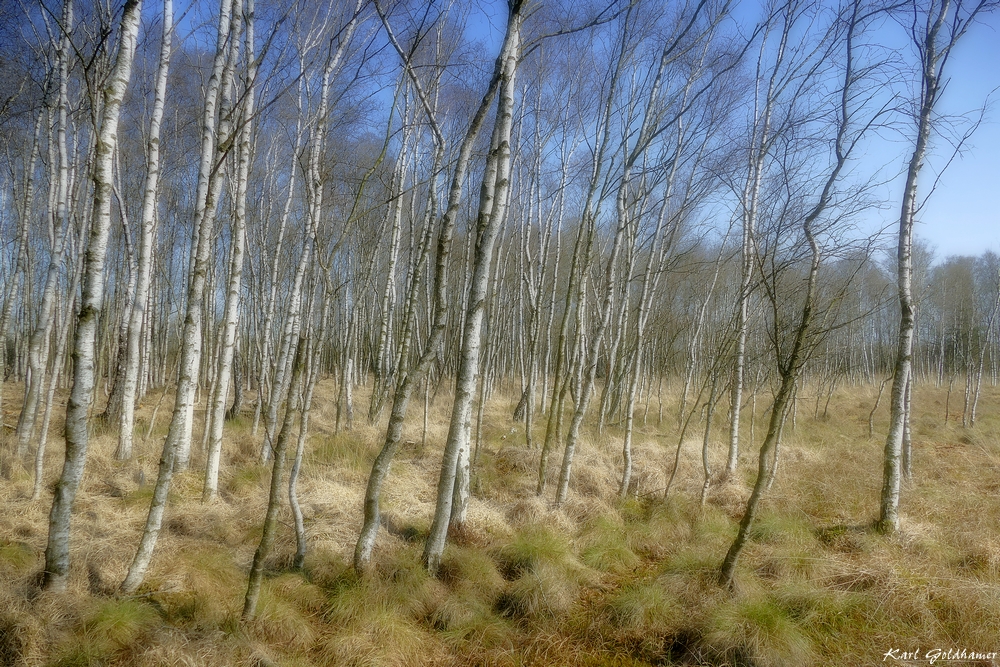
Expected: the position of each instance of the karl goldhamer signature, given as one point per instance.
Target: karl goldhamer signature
(936, 655)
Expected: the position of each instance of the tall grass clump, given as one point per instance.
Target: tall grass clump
(543, 574)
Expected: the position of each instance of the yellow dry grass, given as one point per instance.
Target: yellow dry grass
(597, 581)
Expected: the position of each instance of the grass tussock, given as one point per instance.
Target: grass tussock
(599, 582)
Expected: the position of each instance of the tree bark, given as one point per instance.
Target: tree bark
(180, 422)
(453, 484)
(408, 380)
(274, 498)
(217, 407)
(932, 57)
(138, 315)
(82, 394)
(38, 345)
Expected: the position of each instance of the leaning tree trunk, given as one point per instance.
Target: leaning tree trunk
(409, 379)
(113, 409)
(221, 79)
(264, 361)
(82, 393)
(309, 383)
(589, 357)
(62, 341)
(314, 205)
(790, 368)
(453, 484)
(39, 342)
(201, 292)
(274, 499)
(751, 196)
(21, 258)
(394, 215)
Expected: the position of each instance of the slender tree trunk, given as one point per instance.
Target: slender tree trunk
(395, 216)
(217, 407)
(438, 302)
(888, 520)
(113, 410)
(274, 498)
(19, 274)
(314, 204)
(309, 383)
(38, 345)
(762, 142)
(453, 485)
(878, 399)
(138, 314)
(264, 366)
(713, 395)
(57, 367)
(236, 408)
(82, 393)
(907, 453)
(790, 367)
(180, 422)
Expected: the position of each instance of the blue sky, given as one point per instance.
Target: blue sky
(963, 215)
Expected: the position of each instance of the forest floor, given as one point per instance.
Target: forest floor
(597, 581)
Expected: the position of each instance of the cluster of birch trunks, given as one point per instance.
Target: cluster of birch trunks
(572, 203)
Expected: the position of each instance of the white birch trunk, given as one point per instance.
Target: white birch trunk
(932, 57)
(82, 394)
(18, 274)
(437, 300)
(274, 498)
(452, 494)
(232, 313)
(61, 345)
(180, 423)
(138, 316)
(39, 343)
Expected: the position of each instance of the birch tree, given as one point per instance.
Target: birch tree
(453, 483)
(217, 407)
(38, 347)
(651, 125)
(82, 393)
(409, 378)
(213, 134)
(795, 345)
(277, 471)
(144, 269)
(935, 28)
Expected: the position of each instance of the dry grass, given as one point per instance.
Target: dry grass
(597, 581)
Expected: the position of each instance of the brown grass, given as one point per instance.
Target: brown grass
(597, 581)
